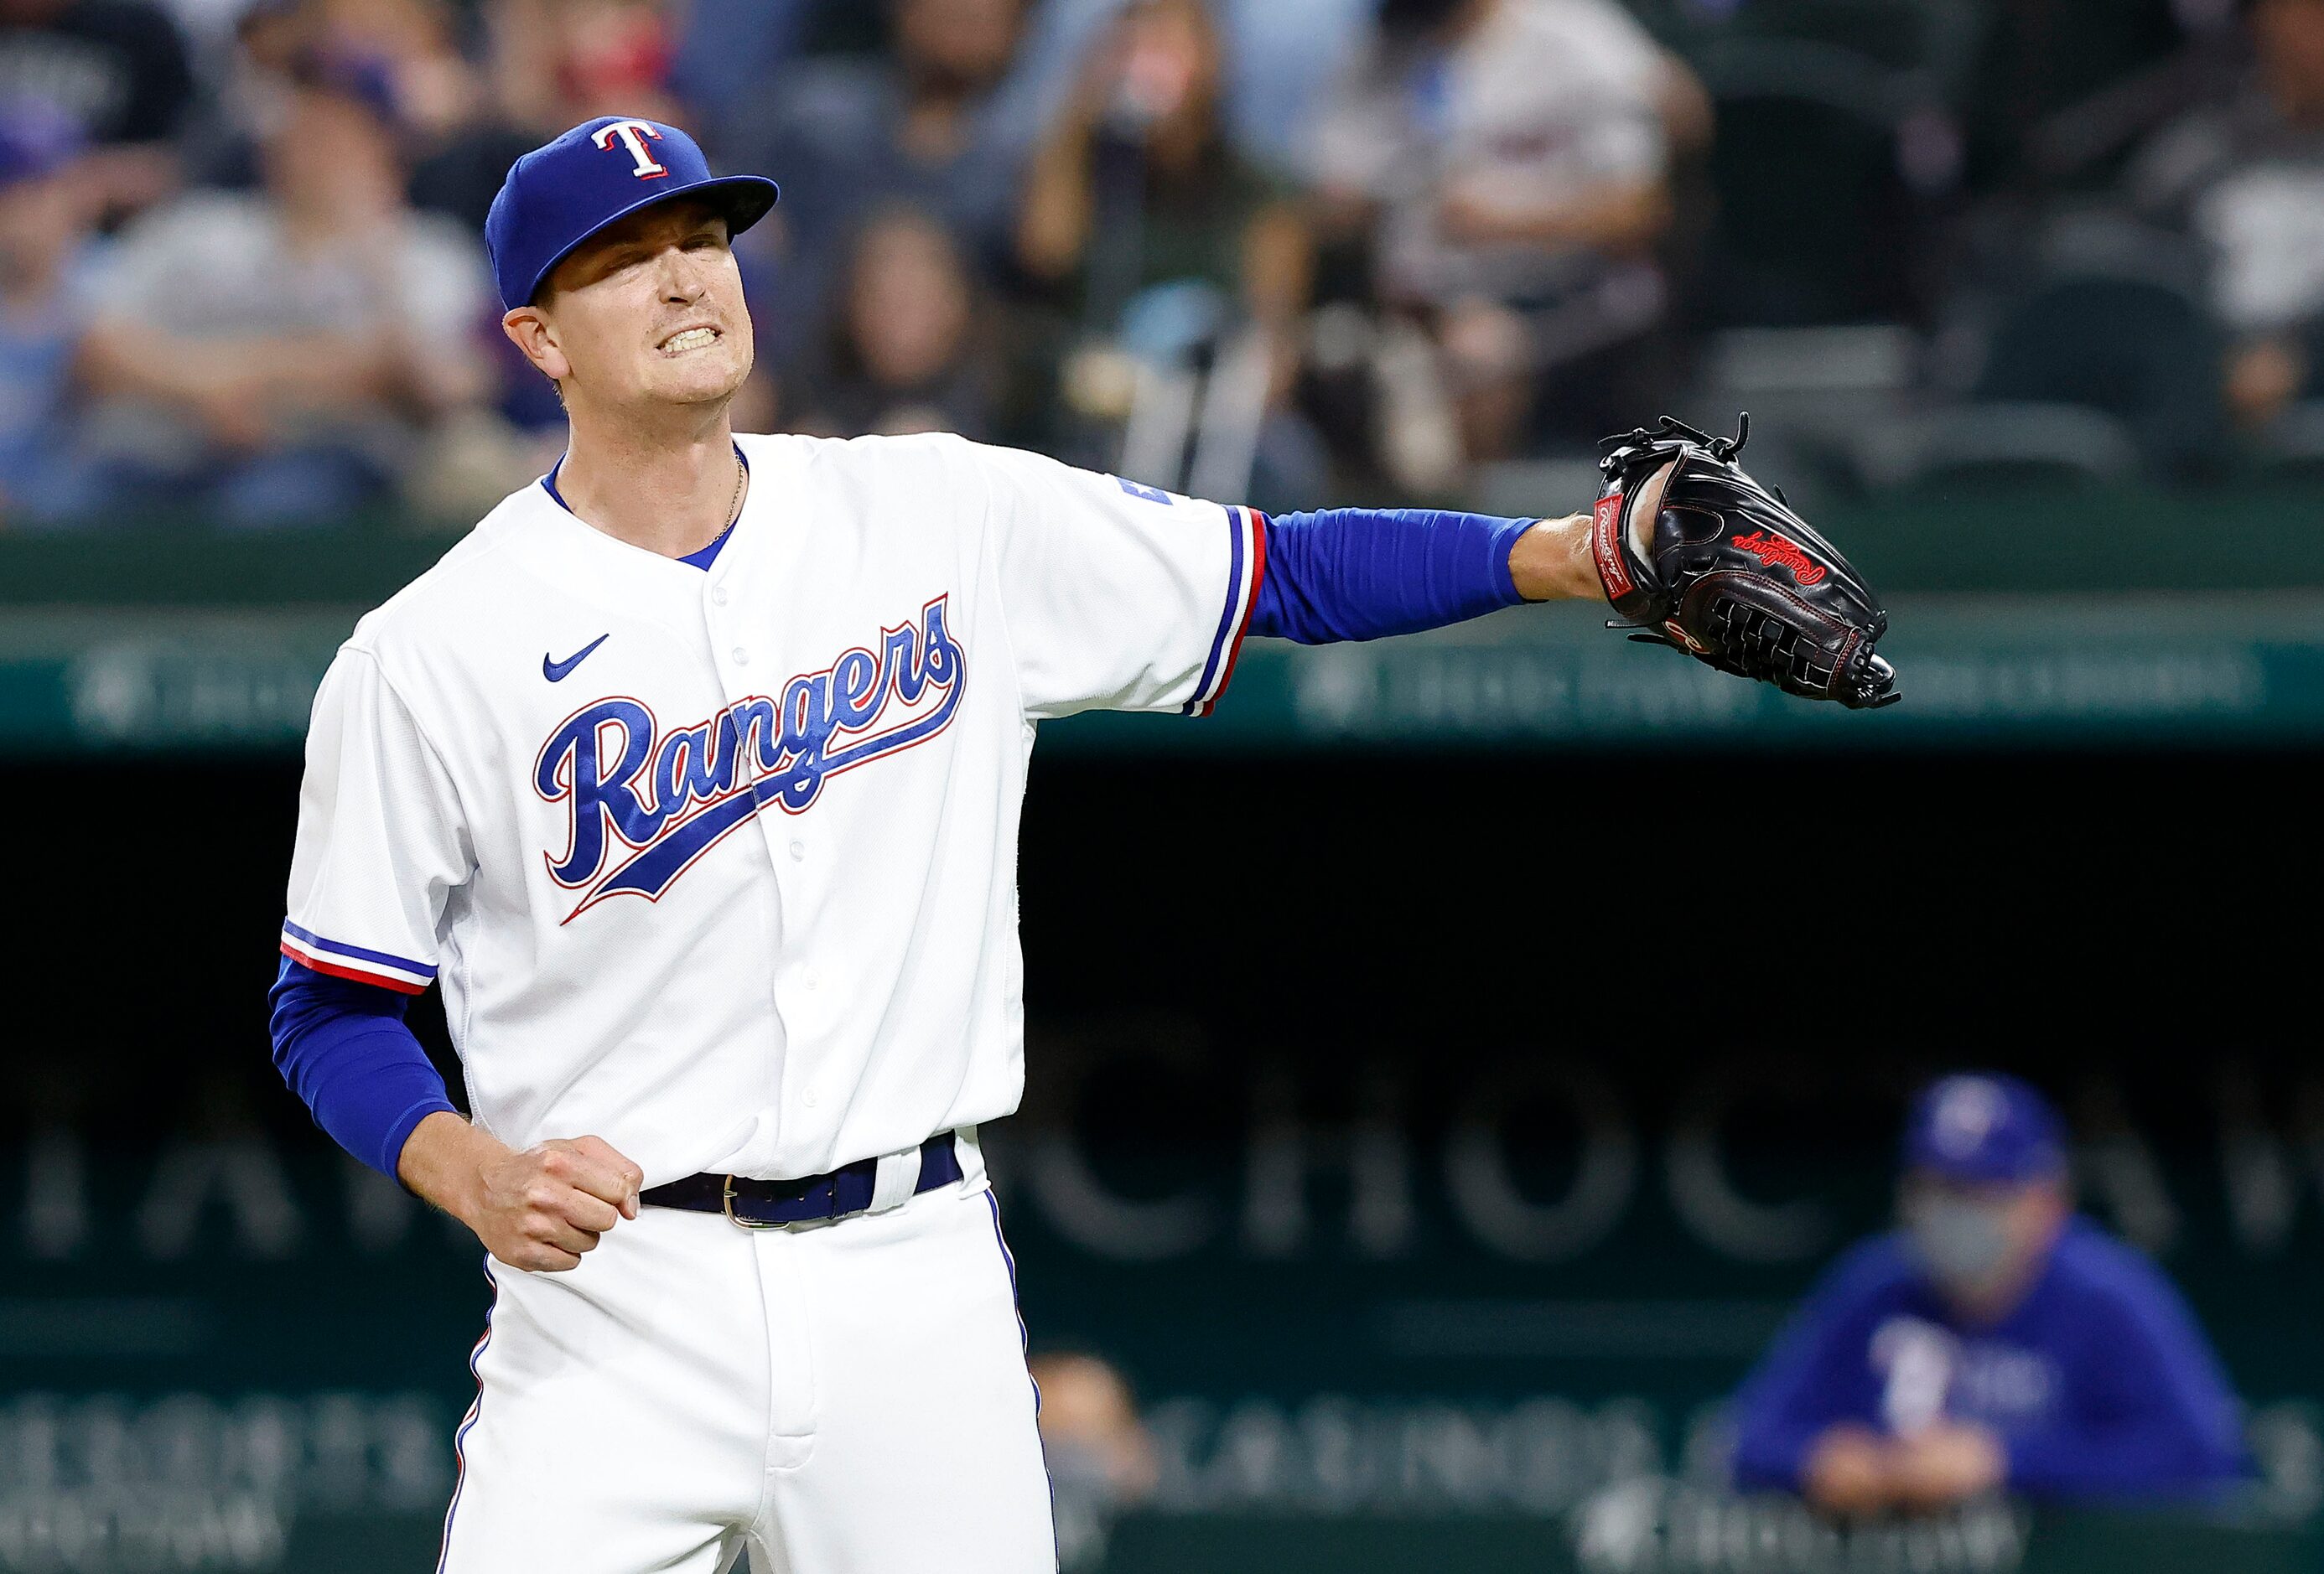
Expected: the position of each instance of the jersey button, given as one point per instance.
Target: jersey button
(741, 656)
(798, 850)
(811, 1097)
(718, 595)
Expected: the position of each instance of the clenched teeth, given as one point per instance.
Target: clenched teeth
(691, 339)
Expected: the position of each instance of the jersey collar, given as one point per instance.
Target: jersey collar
(701, 558)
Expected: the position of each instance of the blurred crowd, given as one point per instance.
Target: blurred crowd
(1281, 250)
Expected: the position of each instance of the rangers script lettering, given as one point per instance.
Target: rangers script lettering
(671, 796)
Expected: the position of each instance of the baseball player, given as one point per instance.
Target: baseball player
(691, 776)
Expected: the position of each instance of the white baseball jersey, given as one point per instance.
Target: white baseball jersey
(720, 865)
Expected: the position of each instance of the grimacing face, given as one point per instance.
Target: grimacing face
(648, 312)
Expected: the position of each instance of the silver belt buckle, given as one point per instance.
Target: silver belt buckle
(726, 1199)
(726, 1202)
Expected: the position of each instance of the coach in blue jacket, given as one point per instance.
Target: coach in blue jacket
(1995, 1341)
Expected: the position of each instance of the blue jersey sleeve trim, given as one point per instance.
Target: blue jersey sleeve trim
(1246, 573)
(356, 952)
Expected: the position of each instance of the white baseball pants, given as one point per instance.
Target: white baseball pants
(846, 1399)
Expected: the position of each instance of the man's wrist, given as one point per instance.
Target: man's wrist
(443, 1162)
(1552, 562)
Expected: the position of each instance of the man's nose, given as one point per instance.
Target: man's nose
(683, 279)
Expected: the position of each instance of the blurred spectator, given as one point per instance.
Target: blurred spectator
(276, 355)
(2246, 178)
(1997, 1342)
(1138, 185)
(845, 137)
(612, 58)
(117, 68)
(1141, 212)
(46, 297)
(413, 46)
(2061, 89)
(1101, 1460)
(910, 346)
(1512, 159)
(728, 51)
(405, 52)
(548, 64)
(1282, 57)
(250, 76)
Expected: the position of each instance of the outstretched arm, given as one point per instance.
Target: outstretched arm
(1364, 574)
(1119, 595)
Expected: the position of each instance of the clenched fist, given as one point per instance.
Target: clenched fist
(539, 1209)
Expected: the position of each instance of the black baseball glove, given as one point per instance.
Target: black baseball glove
(1732, 575)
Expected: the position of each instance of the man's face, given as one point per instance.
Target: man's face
(331, 155)
(1980, 1242)
(649, 312)
(909, 301)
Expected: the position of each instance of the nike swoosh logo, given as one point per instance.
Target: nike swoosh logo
(555, 671)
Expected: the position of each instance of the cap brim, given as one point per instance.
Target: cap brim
(745, 199)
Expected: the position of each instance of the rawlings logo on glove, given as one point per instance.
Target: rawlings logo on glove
(1773, 549)
(1730, 574)
(1610, 572)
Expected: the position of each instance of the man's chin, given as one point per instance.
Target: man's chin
(710, 384)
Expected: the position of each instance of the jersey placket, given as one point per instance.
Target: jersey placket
(752, 660)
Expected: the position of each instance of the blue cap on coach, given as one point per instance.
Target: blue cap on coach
(564, 192)
(1984, 1127)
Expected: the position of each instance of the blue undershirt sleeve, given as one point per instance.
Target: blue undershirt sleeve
(344, 1048)
(1364, 574)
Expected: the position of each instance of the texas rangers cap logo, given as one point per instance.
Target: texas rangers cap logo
(632, 134)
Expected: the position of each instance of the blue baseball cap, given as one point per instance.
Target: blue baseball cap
(564, 192)
(1984, 1128)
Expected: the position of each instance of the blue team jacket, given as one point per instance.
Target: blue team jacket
(2100, 1384)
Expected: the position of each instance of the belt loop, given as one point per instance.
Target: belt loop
(895, 1179)
(965, 1148)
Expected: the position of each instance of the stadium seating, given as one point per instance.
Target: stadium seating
(1823, 176)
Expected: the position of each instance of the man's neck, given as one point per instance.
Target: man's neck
(670, 489)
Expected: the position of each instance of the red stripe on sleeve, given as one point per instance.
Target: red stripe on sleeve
(337, 971)
(1242, 624)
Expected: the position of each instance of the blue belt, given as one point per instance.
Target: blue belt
(770, 1204)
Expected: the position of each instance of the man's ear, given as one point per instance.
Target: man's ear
(531, 331)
